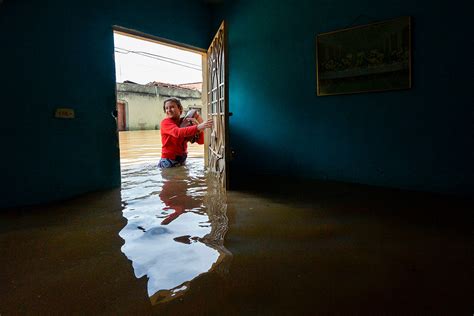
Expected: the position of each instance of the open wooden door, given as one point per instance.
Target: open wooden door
(217, 108)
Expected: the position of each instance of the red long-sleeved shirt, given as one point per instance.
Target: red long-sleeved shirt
(174, 139)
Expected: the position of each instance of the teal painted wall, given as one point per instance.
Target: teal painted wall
(60, 54)
(419, 139)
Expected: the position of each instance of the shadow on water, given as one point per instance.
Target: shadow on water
(176, 224)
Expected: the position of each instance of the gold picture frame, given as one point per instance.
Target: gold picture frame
(365, 58)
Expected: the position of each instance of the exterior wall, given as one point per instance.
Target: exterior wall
(144, 104)
(193, 85)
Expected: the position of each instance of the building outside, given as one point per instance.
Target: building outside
(140, 107)
(192, 85)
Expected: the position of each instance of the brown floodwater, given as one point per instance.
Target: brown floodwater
(170, 242)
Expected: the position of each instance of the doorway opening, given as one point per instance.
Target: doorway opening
(150, 70)
(165, 208)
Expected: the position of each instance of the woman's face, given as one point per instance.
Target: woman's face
(172, 110)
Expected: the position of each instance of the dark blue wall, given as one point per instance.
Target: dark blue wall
(60, 54)
(419, 139)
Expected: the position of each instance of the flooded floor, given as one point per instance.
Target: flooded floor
(170, 243)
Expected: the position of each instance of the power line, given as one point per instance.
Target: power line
(159, 57)
(154, 55)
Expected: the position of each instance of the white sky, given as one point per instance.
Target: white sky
(141, 69)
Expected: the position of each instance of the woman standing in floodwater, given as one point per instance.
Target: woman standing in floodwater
(174, 139)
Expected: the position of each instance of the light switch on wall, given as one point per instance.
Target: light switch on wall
(64, 113)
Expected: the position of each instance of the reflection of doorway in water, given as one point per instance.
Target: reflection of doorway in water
(149, 70)
(176, 223)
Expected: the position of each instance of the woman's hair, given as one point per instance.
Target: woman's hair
(176, 101)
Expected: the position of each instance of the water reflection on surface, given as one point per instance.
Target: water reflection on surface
(176, 223)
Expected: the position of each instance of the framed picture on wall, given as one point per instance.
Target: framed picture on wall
(372, 57)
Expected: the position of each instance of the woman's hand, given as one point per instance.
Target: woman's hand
(204, 125)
